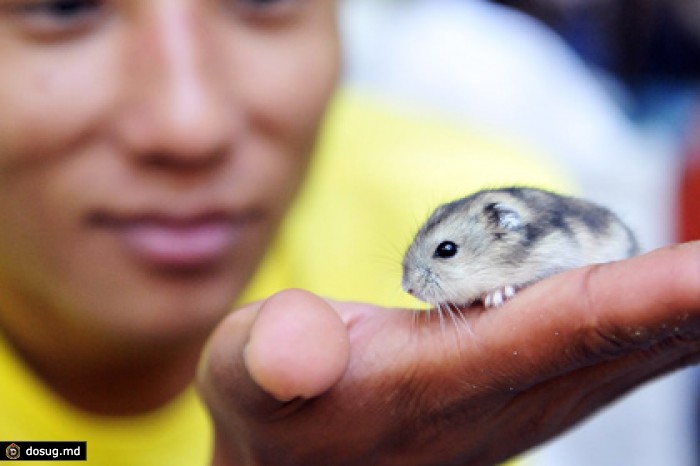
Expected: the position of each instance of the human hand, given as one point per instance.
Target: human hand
(300, 380)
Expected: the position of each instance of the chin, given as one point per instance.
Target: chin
(167, 313)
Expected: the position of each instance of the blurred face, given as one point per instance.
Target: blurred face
(148, 150)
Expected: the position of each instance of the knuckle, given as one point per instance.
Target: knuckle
(595, 339)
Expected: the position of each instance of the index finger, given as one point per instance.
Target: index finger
(597, 313)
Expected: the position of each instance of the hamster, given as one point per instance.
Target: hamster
(487, 246)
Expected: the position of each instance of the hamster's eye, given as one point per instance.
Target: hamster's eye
(445, 250)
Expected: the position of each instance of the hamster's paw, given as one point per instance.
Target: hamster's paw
(499, 296)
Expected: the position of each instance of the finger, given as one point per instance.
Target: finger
(298, 346)
(293, 345)
(549, 408)
(612, 379)
(598, 313)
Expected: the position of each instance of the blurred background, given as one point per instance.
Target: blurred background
(606, 89)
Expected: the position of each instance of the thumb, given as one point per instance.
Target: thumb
(292, 346)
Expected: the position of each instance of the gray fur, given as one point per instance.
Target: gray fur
(509, 237)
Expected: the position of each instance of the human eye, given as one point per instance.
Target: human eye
(265, 10)
(48, 19)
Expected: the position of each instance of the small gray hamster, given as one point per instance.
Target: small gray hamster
(486, 246)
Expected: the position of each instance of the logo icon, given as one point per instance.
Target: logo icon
(12, 451)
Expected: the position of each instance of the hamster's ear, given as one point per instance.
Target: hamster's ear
(503, 215)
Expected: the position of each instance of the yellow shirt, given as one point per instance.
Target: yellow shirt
(376, 176)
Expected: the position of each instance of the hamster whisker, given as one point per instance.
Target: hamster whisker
(460, 318)
(467, 324)
(449, 308)
(414, 321)
(454, 314)
(441, 315)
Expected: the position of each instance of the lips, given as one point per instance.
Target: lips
(174, 242)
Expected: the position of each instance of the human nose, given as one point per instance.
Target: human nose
(176, 111)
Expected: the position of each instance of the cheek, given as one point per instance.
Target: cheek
(284, 114)
(50, 98)
(42, 125)
(295, 105)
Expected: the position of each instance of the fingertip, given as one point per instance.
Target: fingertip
(298, 346)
